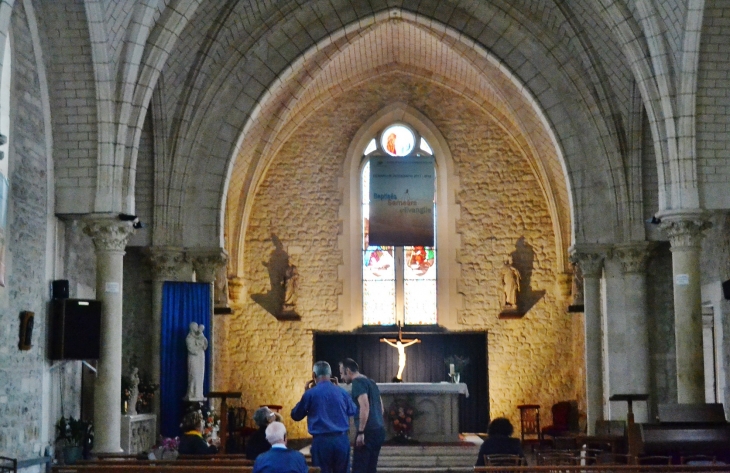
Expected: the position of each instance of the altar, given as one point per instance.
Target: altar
(436, 406)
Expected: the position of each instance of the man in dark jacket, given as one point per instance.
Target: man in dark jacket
(279, 459)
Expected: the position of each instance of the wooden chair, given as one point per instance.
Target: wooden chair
(608, 458)
(502, 460)
(553, 458)
(8, 465)
(698, 460)
(530, 422)
(654, 460)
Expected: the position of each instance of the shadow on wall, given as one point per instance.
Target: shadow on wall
(523, 259)
(279, 300)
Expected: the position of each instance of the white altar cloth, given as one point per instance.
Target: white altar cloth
(413, 388)
(436, 404)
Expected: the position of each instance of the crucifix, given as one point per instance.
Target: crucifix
(400, 344)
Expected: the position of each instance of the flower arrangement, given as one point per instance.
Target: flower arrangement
(459, 362)
(401, 414)
(166, 449)
(74, 432)
(168, 444)
(212, 424)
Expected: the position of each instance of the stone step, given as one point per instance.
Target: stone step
(447, 469)
(428, 457)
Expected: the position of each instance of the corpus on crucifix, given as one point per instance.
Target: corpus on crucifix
(400, 344)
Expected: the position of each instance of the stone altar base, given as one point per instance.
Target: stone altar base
(434, 459)
(436, 406)
(139, 432)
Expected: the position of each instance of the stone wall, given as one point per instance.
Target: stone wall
(503, 212)
(26, 281)
(137, 306)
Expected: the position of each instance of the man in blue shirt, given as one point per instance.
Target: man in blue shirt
(369, 419)
(327, 408)
(279, 459)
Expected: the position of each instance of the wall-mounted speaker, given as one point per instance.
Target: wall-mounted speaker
(76, 329)
(59, 289)
(726, 289)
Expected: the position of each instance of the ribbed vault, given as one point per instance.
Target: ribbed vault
(409, 46)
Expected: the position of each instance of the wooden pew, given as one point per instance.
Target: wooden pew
(604, 469)
(177, 467)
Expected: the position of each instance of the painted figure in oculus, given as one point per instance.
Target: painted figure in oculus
(510, 278)
(196, 344)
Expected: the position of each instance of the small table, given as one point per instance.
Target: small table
(224, 396)
(632, 435)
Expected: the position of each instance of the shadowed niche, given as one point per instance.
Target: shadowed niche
(283, 276)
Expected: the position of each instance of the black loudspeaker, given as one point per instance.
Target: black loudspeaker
(726, 289)
(76, 329)
(60, 289)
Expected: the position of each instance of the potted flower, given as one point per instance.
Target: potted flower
(75, 436)
(456, 365)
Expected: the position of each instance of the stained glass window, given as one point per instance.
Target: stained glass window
(399, 283)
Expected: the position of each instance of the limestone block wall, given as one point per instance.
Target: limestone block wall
(22, 373)
(537, 359)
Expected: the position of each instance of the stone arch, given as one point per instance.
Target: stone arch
(539, 120)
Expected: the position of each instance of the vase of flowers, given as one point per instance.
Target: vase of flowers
(212, 424)
(456, 365)
(75, 437)
(166, 448)
(401, 414)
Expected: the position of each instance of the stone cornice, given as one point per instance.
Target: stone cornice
(590, 258)
(633, 256)
(108, 233)
(166, 261)
(207, 262)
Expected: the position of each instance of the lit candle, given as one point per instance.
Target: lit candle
(451, 368)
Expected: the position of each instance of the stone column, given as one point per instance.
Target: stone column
(207, 263)
(110, 236)
(633, 258)
(591, 264)
(166, 263)
(685, 235)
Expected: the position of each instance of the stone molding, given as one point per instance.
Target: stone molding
(166, 261)
(235, 288)
(589, 258)
(634, 256)
(108, 233)
(206, 263)
(685, 233)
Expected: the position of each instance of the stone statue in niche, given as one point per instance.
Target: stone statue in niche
(291, 282)
(196, 344)
(577, 288)
(221, 287)
(510, 279)
(133, 392)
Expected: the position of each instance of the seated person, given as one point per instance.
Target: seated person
(279, 459)
(500, 441)
(192, 442)
(257, 443)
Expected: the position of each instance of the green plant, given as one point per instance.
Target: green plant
(459, 362)
(73, 432)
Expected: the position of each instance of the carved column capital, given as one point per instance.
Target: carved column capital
(108, 233)
(589, 258)
(166, 261)
(207, 262)
(633, 256)
(685, 232)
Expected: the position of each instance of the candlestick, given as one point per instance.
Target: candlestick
(451, 369)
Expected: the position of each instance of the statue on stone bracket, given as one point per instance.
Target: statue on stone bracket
(196, 344)
(509, 278)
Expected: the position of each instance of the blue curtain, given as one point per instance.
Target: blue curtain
(182, 303)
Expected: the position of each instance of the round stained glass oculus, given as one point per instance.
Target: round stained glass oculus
(397, 140)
